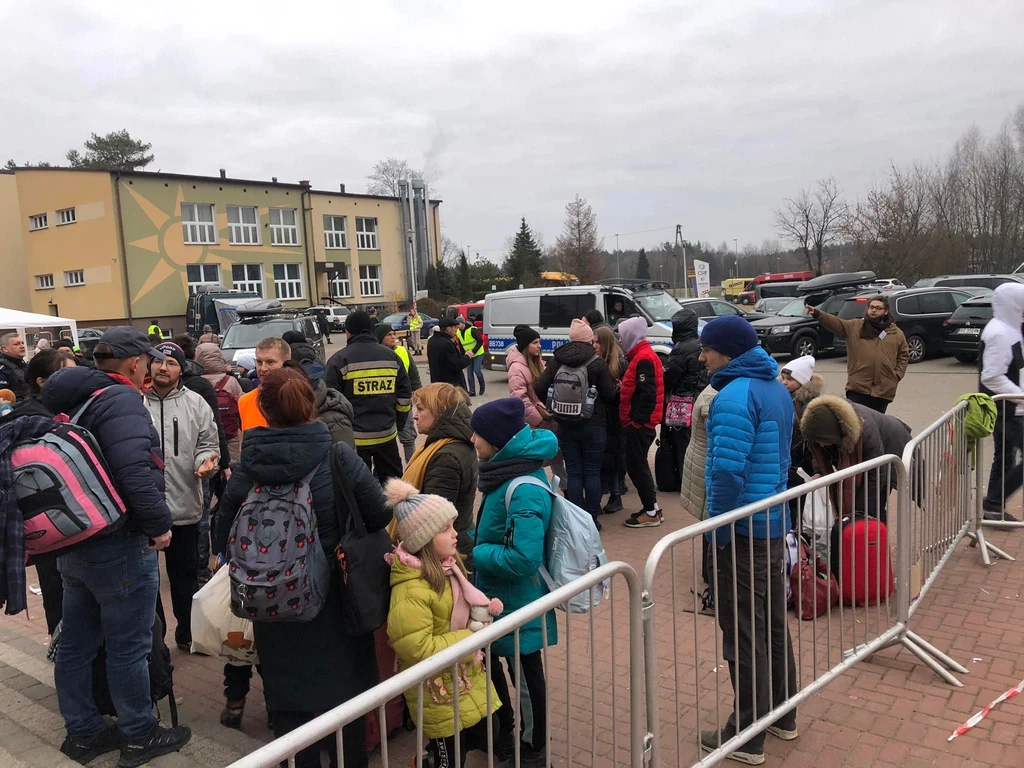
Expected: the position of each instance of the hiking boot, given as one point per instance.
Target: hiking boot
(231, 715)
(781, 732)
(83, 749)
(712, 740)
(528, 758)
(614, 504)
(160, 741)
(642, 519)
(1005, 517)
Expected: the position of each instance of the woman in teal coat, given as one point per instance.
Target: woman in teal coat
(507, 555)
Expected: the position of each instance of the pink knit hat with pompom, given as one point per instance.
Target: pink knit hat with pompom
(419, 516)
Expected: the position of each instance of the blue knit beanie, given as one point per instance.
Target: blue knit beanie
(499, 421)
(731, 335)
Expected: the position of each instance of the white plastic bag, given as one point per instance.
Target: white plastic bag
(818, 514)
(216, 631)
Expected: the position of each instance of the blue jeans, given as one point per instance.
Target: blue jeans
(110, 590)
(583, 449)
(476, 368)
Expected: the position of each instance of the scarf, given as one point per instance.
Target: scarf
(493, 474)
(416, 473)
(872, 327)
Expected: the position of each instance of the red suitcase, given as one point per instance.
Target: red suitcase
(394, 710)
(860, 548)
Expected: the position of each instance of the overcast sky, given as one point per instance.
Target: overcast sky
(701, 114)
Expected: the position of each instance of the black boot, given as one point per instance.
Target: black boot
(160, 741)
(614, 504)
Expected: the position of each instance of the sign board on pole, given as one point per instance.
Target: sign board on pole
(703, 270)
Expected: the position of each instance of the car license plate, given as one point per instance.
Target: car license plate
(968, 331)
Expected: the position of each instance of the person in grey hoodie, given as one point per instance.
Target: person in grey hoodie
(190, 442)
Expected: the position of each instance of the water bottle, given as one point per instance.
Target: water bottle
(547, 401)
(591, 395)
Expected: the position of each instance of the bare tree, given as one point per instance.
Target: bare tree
(578, 248)
(450, 251)
(812, 221)
(386, 175)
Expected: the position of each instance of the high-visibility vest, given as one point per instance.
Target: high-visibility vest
(403, 355)
(469, 343)
(154, 330)
(415, 322)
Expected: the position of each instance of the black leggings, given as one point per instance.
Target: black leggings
(443, 750)
(535, 691)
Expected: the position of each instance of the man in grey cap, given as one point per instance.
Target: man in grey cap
(111, 583)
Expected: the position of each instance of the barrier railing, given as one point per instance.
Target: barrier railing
(582, 717)
(770, 673)
(1007, 448)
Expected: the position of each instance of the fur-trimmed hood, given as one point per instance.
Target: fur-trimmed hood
(823, 414)
(812, 389)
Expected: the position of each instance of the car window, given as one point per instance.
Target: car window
(935, 303)
(853, 308)
(247, 335)
(795, 308)
(908, 305)
(833, 304)
(721, 308)
(960, 298)
(309, 329)
(559, 310)
(953, 282)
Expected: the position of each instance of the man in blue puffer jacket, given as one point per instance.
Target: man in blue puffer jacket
(750, 427)
(111, 584)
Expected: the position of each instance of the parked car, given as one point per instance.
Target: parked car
(709, 309)
(201, 308)
(919, 312)
(400, 322)
(336, 315)
(87, 340)
(887, 284)
(795, 332)
(772, 305)
(960, 281)
(474, 313)
(259, 319)
(961, 332)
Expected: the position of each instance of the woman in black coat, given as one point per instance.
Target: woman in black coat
(685, 376)
(311, 667)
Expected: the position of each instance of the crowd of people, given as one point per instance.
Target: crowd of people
(187, 442)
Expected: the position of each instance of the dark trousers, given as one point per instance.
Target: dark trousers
(475, 374)
(203, 539)
(353, 736)
(583, 450)
(384, 459)
(182, 561)
(52, 587)
(237, 681)
(872, 402)
(638, 445)
(679, 439)
(759, 652)
(535, 693)
(443, 750)
(1007, 473)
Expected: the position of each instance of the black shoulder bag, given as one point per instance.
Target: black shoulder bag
(364, 577)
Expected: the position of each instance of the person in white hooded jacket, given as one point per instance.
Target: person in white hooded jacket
(1002, 358)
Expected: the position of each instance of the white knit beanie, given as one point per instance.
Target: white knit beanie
(800, 369)
(419, 516)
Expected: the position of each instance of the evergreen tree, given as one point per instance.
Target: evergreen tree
(578, 249)
(643, 266)
(115, 150)
(465, 288)
(523, 263)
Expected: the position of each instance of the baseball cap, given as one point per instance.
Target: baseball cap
(124, 342)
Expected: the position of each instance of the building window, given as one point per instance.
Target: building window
(287, 281)
(37, 222)
(283, 227)
(341, 285)
(74, 277)
(197, 224)
(66, 216)
(335, 233)
(369, 279)
(43, 282)
(366, 234)
(247, 277)
(243, 225)
(202, 274)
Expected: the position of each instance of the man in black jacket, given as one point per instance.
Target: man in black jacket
(374, 380)
(445, 358)
(685, 377)
(13, 365)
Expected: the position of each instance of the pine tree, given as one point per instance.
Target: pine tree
(465, 286)
(523, 263)
(643, 266)
(578, 248)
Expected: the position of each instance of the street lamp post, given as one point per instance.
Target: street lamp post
(618, 258)
(736, 247)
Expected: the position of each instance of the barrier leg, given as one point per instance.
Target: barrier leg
(977, 536)
(928, 653)
(978, 540)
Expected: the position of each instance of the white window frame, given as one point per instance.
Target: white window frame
(289, 288)
(366, 239)
(335, 239)
(66, 216)
(74, 278)
(256, 285)
(44, 282)
(341, 287)
(195, 230)
(242, 232)
(37, 222)
(281, 233)
(367, 283)
(204, 280)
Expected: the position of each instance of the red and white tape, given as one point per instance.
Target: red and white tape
(1019, 688)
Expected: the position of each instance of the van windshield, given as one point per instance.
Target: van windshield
(248, 335)
(658, 304)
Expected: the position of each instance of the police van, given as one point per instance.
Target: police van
(551, 310)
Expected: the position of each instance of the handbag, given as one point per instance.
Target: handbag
(364, 576)
(814, 588)
(678, 411)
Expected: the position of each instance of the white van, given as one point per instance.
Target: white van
(551, 310)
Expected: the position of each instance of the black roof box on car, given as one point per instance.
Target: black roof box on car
(834, 281)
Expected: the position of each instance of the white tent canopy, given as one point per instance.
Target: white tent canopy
(19, 321)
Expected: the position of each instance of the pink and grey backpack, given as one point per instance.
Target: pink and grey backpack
(64, 488)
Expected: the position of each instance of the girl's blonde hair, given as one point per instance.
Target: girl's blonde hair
(433, 571)
(535, 363)
(439, 398)
(610, 350)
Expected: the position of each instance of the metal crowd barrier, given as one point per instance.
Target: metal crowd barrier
(1007, 448)
(586, 715)
(697, 690)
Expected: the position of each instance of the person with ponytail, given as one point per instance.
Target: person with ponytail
(433, 606)
(307, 668)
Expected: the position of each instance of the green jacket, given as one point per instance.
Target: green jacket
(419, 626)
(509, 543)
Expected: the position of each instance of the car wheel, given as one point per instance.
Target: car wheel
(915, 345)
(967, 357)
(805, 345)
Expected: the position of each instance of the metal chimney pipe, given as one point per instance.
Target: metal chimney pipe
(223, 173)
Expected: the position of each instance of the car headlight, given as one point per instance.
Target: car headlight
(778, 330)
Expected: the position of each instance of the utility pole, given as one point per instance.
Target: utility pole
(686, 274)
(736, 247)
(618, 258)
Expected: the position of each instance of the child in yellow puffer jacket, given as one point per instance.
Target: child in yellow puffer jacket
(433, 606)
